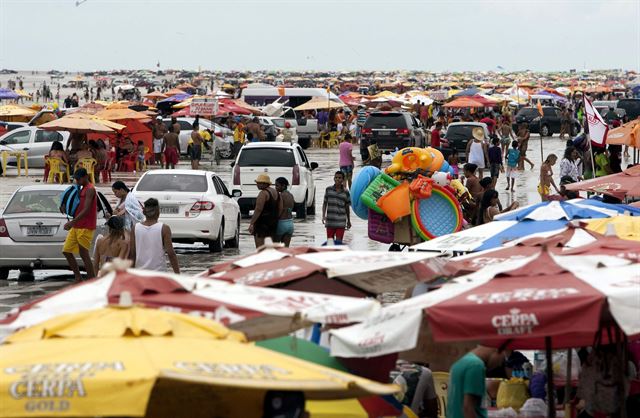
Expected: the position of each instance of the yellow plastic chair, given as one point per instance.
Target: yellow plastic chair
(88, 164)
(441, 381)
(334, 139)
(55, 168)
(324, 140)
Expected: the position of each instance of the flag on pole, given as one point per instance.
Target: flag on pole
(597, 126)
(539, 107)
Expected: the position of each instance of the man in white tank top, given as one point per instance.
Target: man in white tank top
(151, 239)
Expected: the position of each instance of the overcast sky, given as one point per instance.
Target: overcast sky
(320, 34)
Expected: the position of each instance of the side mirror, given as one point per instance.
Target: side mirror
(314, 166)
(3, 142)
(236, 193)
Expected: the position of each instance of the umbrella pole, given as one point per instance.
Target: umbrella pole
(551, 401)
(568, 385)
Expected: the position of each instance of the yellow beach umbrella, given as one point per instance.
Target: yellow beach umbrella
(76, 124)
(120, 114)
(625, 227)
(9, 111)
(109, 124)
(319, 103)
(141, 362)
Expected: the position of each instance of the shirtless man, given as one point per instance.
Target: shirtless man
(196, 147)
(175, 126)
(171, 149)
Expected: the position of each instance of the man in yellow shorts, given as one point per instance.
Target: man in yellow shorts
(82, 227)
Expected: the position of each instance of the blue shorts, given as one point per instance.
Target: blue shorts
(347, 170)
(285, 227)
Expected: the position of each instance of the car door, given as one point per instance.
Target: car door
(41, 145)
(229, 206)
(306, 174)
(19, 140)
(552, 118)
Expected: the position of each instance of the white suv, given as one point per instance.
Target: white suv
(276, 159)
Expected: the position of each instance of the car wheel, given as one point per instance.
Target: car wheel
(301, 209)
(311, 210)
(4, 273)
(216, 245)
(544, 130)
(235, 241)
(26, 275)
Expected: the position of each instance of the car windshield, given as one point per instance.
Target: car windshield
(528, 112)
(279, 123)
(460, 132)
(34, 201)
(266, 157)
(173, 182)
(384, 121)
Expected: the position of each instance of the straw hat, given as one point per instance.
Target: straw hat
(478, 133)
(263, 178)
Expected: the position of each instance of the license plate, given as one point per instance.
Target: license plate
(39, 230)
(384, 133)
(169, 210)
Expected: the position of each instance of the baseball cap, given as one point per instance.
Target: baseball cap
(80, 173)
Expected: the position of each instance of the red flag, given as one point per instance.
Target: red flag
(597, 126)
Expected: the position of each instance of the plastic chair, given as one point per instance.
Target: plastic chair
(88, 164)
(441, 381)
(55, 169)
(334, 139)
(323, 141)
(129, 162)
(108, 167)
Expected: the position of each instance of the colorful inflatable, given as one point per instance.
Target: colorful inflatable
(360, 184)
(408, 160)
(438, 215)
(380, 186)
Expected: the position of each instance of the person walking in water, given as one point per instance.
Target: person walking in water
(150, 240)
(336, 216)
(284, 231)
(264, 221)
(82, 227)
(113, 245)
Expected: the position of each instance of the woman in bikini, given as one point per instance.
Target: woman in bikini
(113, 245)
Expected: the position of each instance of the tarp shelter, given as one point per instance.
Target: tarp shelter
(7, 94)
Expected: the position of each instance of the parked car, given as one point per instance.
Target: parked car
(195, 204)
(631, 107)
(458, 135)
(277, 159)
(391, 130)
(275, 125)
(37, 142)
(186, 127)
(545, 125)
(32, 229)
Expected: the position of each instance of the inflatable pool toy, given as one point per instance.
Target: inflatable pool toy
(436, 159)
(436, 216)
(360, 183)
(381, 229)
(441, 179)
(409, 160)
(420, 187)
(444, 168)
(396, 203)
(380, 186)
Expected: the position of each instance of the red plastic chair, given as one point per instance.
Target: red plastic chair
(128, 163)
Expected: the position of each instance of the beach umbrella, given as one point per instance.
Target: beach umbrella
(257, 312)
(517, 303)
(81, 123)
(468, 92)
(121, 114)
(624, 227)
(620, 185)
(569, 210)
(7, 94)
(16, 113)
(464, 102)
(627, 134)
(319, 103)
(156, 95)
(357, 408)
(174, 92)
(327, 270)
(106, 363)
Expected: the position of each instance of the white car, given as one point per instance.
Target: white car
(276, 125)
(186, 127)
(32, 229)
(276, 159)
(37, 142)
(195, 204)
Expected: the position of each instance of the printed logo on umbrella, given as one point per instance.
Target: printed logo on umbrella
(515, 323)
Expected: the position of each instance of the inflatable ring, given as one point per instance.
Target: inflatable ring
(359, 185)
(436, 216)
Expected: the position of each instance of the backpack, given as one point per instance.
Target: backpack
(69, 200)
